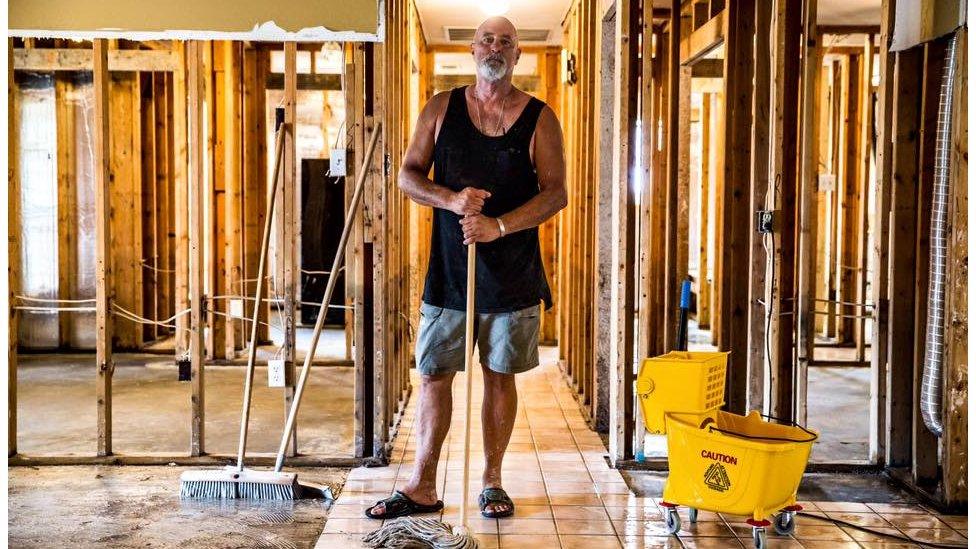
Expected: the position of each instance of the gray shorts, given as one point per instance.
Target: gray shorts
(508, 343)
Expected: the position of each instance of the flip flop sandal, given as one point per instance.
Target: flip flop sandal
(400, 505)
(495, 495)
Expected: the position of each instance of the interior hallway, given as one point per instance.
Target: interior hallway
(566, 495)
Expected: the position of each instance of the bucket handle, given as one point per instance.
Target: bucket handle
(813, 436)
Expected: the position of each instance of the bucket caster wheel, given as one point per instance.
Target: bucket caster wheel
(759, 537)
(672, 521)
(692, 515)
(785, 523)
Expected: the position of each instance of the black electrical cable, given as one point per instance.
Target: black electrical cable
(902, 537)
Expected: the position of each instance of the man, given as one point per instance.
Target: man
(499, 172)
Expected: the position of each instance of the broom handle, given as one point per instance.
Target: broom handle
(324, 307)
(469, 376)
(258, 295)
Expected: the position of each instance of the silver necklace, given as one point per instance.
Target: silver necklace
(501, 116)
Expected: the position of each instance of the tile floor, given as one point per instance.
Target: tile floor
(567, 496)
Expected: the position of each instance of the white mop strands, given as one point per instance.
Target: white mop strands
(418, 533)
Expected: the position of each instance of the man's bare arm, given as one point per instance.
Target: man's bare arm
(417, 160)
(550, 165)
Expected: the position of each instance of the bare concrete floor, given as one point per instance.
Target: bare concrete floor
(838, 407)
(151, 408)
(129, 507)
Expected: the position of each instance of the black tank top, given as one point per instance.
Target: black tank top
(509, 274)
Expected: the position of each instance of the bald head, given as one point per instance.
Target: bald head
(499, 26)
(495, 49)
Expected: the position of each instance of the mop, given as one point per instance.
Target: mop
(423, 533)
(236, 481)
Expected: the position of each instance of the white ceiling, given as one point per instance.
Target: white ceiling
(435, 15)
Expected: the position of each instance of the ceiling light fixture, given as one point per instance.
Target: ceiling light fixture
(494, 7)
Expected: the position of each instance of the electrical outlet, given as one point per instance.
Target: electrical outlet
(237, 308)
(337, 162)
(183, 367)
(764, 221)
(276, 373)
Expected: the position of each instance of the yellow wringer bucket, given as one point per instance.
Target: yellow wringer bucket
(719, 461)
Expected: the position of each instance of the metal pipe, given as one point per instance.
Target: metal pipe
(932, 382)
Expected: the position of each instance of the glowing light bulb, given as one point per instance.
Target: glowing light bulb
(494, 7)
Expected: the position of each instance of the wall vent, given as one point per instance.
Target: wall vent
(466, 34)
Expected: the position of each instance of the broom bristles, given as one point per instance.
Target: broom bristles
(230, 483)
(418, 533)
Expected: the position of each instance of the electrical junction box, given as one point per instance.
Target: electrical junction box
(276, 372)
(337, 162)
(764, 221)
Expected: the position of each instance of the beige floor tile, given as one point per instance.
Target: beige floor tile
(896, 508)
(526, 526)
(862, 519)
(533, 511)
(861, 535)
(648, 528)
(589, 542)
(587, 527)
(622, 499)
(882, 545)
(334, 541)
(581, 512)
(783, 543)
(712, 543)
(827, 532)
(570, 488)
(524, 541)
(576, 499)
(347, 511)
(914, 521)
(351, 525)
(939, 535)
(808, 544)
(843, 507)
(704, 529)
(956, 521)
(634, 512)
(612, 488)
(655, 542)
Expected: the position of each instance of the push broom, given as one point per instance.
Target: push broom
(236, 481)
(427, 532)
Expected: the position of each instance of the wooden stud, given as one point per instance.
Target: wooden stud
(645, 314)
(181, 219)
(233, 189)
(849, 230)
(67, 201)
(291, 227)
(671, 264)
(864, 182)
(71, 59)
(13, 245)
(735, 266)
(807, 203)
(660, 180)
(255, 173)
(149, 207)
(163, 184)
(707, 152)
(196, 181)
(901, 249)
(955, 436)
(882, 209)
(103, 262)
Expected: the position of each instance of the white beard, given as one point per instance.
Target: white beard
(492, 72)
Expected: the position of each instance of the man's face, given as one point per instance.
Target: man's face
(495, 49)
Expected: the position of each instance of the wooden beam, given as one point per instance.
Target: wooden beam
(847, 29)
(784, 111)
(955, 466)
(233, 188)
(901, 246)
(291, 228)
(672, 265)
(622, 224)
(103, 262)
(755, 397)
(865, 182)
(196, 181)
(703, 39)
(739, 30)
(56, 59)
(708, 68)
(255, 174)
(810, 122)
(13, 245)
(925, 445)
(706, 158)
(603, 224)
(181, 200)
(67, 198)
(660, 181)
(149, 207)
(880, 230)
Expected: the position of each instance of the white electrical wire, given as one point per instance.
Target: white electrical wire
(43, 300)
(53, 309)
(158, 270)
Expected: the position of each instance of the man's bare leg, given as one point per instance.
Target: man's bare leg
(497, 421)
(433, 422)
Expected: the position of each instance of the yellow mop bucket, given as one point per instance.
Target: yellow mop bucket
(738, 465)
(681, 382)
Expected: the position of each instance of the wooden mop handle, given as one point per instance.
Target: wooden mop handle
(469, 376)
(324, 307)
